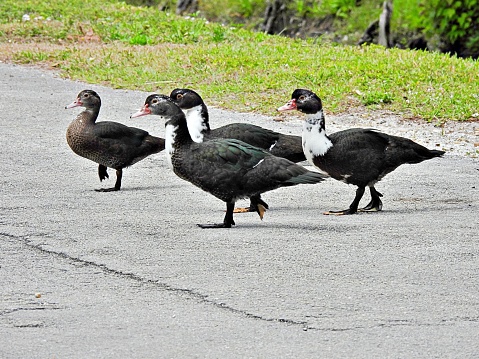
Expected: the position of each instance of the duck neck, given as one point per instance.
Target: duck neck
(315, 140)
(176, 135)
(88, 116)
(197, 120)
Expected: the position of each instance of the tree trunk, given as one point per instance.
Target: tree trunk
(274, 17)
(186, 7)
(385, 24)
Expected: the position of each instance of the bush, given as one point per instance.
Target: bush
(455, 22)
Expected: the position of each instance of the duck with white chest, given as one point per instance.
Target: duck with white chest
(357, 156)
(197, 118)
(229, 169)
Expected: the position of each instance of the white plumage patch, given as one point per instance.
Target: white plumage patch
(170, 134)
(258, 163)
(315, 141)
(195, 122)
(345, 178)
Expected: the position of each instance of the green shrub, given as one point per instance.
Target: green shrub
(455, 21)
(317, 9)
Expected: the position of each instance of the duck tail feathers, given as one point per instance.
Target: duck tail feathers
(308, 177)
(436, 153)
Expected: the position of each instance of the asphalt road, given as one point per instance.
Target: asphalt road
(130, 275)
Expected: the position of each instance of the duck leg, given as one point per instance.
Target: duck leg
(102, 173)
(253, 206)
(119, 175)
(258, 205)
(353, 207)
(228, 220)
(376, 204)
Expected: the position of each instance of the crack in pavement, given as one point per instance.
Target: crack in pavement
(203, 298)
(19, 309)
(179, 291)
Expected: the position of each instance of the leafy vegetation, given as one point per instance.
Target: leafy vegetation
(456, 21)
(125, 46)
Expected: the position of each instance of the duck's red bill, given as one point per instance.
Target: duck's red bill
(75, 103)
(291, 105)
(142, 112)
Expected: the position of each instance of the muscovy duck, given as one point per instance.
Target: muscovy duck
(110, 144)
(278, 144)
(229, 169)
(357, 156)
(197, 118)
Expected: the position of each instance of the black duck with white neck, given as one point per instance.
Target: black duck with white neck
(357, 156)
(197, 118)
(278, 144)
(227, 168)
(110, 144)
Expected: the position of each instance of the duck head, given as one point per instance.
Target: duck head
(308, 103)
(195, 110)
(86, 98)
(160, 105)
(186, 98)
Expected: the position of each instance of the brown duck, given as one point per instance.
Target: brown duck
(110, 144)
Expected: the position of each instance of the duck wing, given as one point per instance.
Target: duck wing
(125, 145)
(231, 169)
(251, 134)
(364, 156)
(356, 157)
(278, 144)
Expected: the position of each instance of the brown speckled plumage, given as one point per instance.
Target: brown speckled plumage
(110, 144)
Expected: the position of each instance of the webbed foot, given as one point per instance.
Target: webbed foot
(112, 189)
(214, 225)
(340, 213)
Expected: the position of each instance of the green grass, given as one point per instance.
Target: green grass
(142, 48)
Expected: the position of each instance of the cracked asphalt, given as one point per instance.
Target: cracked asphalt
(128, 274)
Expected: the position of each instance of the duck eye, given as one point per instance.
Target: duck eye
(154, 101)
(179, 96)
(301, 98)
(87, 95)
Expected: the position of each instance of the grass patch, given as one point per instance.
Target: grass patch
(143, 48)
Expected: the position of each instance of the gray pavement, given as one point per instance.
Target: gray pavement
(130, 275)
